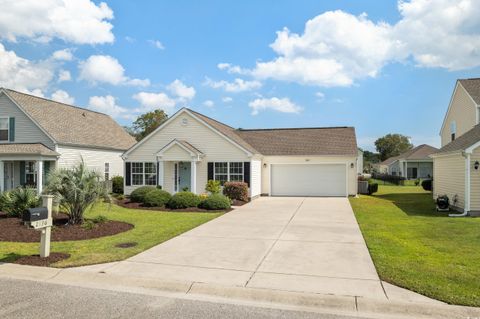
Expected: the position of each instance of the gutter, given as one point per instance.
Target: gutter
(466, 205)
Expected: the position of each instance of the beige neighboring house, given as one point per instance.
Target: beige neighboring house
(456, 164)
(37, 135)
(412, 164)
(190, 148)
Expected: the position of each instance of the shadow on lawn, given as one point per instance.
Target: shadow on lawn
(414, 204)
(10, 258)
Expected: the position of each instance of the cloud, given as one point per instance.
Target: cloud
(107, 69)
(233, 69)
(179, 89)
(64, 75)
(227, 99)
(63, 55)
(22, 74)
(320, 96)
(283, 105)
(238, 85)
(108, 105)
(209, 103)
(152, 101)
(77, 21)
(159, 45)
(63, 97)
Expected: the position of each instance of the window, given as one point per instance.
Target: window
(453, 129)
(107, 171)
(228, 172)
(4, 127)
(144, 173)
(30, 174)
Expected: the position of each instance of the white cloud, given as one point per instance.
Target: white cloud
(209, 103)
(179, 89)
(108, 105)
(107, 69)
(63, 97)
(63, 55)
(320, 96)
(227, 99)
(78, 21)
(152, 101)
(238, 85)
(64, 75)
(283, 105)
(233, 69)
(159, 45)
(22, 74)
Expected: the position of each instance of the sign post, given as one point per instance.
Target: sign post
(47, 230)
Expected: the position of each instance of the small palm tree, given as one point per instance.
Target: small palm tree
(77, 189)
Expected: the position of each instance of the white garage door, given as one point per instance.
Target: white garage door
(308, 180)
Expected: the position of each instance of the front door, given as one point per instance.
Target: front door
(9, 175)
(182, 176)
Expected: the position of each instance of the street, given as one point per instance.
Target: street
(29, 299)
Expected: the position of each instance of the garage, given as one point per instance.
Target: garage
(308, 180)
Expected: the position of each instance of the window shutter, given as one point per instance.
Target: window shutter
(210, 170)
(158, 173)
(22, 173)
(11, 133)
(246, 173)
(128, 170)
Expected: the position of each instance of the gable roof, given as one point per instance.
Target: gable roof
(420, 152)
(462, 142)
(326, 141)
(183, 144)
(71, 125)
(472, 86)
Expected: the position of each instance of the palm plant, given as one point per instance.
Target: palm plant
(16, 201)
(76, 189)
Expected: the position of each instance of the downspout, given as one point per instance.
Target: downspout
(466, 205)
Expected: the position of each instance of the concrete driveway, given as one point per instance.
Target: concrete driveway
(291, 244)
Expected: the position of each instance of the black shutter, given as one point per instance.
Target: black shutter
(11, 133)
(210, 171)
(128, 170)
(246, 173)
(158, 173)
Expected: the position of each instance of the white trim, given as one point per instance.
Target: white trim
(472, 147)
(178, 143)
(181, 111)
(467, 183)
(39, 167)
(228, 170)
(142, 173)
(451, 101)
(193, 177)
(8, 130)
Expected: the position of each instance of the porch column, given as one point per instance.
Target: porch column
(39, 177)
(2, 176)
(406, 170)
(193, 179)
(160, 173)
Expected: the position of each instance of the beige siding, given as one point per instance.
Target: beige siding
(394, 168)
(475, 182)
(26, 131)
(176, 153)
(95, 159)
(463, 112)
(255, 178)
(352, 172)
(449, 178)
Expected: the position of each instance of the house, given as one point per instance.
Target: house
(190, 148)
(415, 162)
(456, 164)
(37, 135)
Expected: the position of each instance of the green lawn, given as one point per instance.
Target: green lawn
(415, 247)
(151, 228)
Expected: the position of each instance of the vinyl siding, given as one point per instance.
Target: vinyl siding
(475, 182)
(95, 159)
(176, 153)
(26, 131)
(463, 112)
(449, 178)
(352, 172)
(394, 168)
(255, 178)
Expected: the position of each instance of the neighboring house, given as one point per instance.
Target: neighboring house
(190, 148)
(412, 164)
(456, 164)
(37, 135)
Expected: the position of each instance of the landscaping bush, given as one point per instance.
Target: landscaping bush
(427, 184)
(417, 182)
(372, 188)
(138, 195)
(156, 198)
(236, 190)
(216, 202)
(213, 187)
(183, 200)
(117, 184)
(16, 201)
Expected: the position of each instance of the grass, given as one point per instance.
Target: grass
(151, 228)
(417, 248)
(410, 182)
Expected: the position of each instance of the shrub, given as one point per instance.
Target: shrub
(372, 188)
(117, 184)
(156, 198)
(236, 190)
(183, 200)
(216, 202)
(427, 184)
(100, 219)
(417, 182)
(16, 201)
(138, 195)
(213, 186)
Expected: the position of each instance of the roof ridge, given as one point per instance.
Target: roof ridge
(208, 117)
(294, 128)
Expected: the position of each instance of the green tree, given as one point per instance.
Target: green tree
(147, 123)
(370, 158)
(392, 145)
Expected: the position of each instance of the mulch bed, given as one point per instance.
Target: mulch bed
(237, 202)
(128, 204)
(36, 260)
(13, 230)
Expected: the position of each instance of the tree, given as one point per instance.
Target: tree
(392, 145)
(370, 158)
(77, 189)
(147, 123)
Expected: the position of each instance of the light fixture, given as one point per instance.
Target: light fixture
(476, 165)
(264, 165)
(352, 165)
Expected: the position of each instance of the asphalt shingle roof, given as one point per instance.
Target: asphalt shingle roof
(420, 152)
(463, 141)
(26, 149)
(472, 86)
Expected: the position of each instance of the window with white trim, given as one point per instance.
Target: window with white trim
(150, 174)
(107, 171)
(30, 174)
(4, 129)
(228, 172)
(144, 173)
(137, 173)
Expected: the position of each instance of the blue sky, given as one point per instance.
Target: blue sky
(381, 66)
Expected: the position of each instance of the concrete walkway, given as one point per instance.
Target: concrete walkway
(311, 245)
